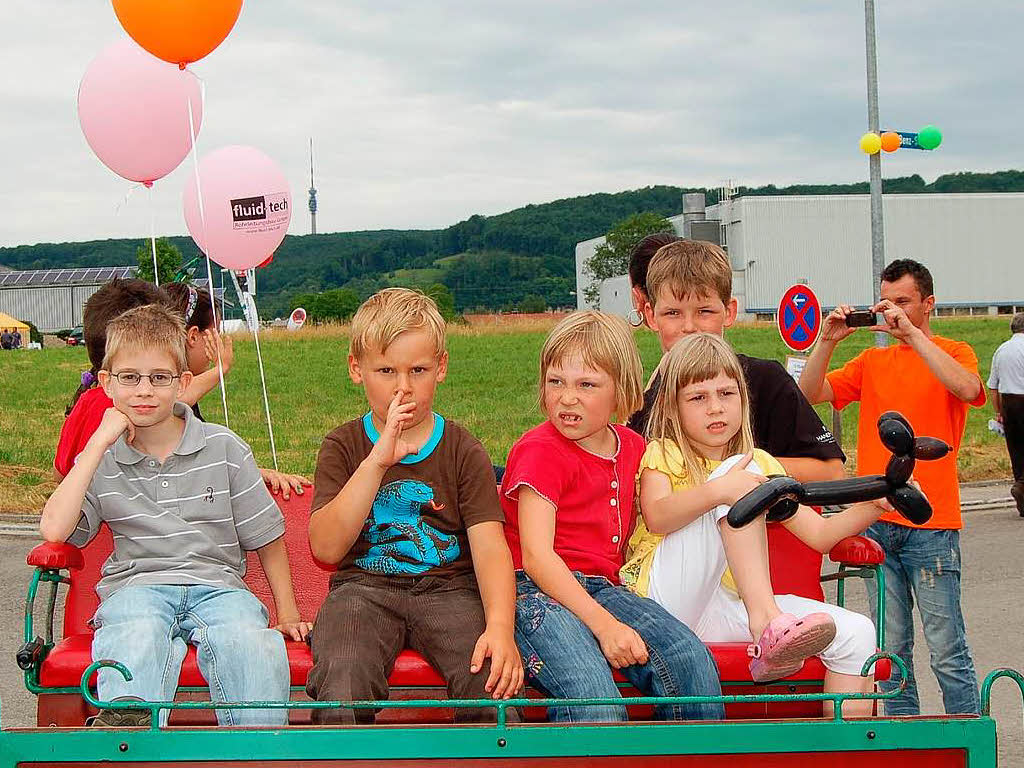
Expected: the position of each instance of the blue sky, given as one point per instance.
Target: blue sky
(424, 114)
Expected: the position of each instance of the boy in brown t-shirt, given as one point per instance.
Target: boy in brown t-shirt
(406, 503)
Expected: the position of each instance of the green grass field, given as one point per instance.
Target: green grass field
(491, 389)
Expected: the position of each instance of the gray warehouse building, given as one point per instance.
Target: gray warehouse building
(52, 299)
(972, 243)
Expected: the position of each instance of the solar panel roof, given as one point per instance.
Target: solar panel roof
(71, 276)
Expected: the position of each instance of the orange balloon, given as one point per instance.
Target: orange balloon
(890, 141)
(178, 31)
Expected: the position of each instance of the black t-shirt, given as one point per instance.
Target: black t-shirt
(784, 423)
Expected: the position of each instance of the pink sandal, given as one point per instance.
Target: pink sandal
(786, 642)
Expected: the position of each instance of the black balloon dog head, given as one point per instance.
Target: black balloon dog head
(780, 496)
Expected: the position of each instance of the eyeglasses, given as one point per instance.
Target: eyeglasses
(132, 379)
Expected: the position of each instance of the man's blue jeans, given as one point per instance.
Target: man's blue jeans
(147, 628)
(564, 659)
(925, 564)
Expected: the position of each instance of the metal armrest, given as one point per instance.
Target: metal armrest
(861, 557)
(56, 556)
(49, 560)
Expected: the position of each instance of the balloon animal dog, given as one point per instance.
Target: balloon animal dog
(779, 496)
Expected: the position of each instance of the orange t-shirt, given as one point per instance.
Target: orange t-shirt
(896, 378)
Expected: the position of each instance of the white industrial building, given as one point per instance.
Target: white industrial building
(971, 243)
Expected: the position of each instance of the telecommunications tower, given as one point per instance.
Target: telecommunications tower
(312, 192)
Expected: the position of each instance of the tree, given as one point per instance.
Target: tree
(168, 259)
(444, 299)
(338, 304)
(611, 257)
(532, 303)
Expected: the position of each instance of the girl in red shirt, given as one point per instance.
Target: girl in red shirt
(569, 499)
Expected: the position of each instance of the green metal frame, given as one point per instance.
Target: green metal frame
(54, 578)
(974, 736)
(501, 706)
(865, 572)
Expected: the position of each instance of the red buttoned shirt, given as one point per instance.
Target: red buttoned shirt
(593, 496)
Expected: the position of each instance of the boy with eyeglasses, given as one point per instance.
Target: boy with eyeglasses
(184, 501)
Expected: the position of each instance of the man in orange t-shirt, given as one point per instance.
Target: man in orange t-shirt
(931, 380)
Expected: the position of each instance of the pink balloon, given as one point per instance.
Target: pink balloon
(134, 112)
(247, 206)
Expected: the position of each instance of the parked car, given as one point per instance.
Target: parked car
(75, 338)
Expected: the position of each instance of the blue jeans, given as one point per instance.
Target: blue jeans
(925, 564)
(146, 628)
(564, 659)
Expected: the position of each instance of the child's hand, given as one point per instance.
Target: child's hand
(215, 343)
(885, 506)
(280, 482)
(506, 678)
(737, 482)
(112, 426)
(390, 447)
(295, 629)
(621, 645)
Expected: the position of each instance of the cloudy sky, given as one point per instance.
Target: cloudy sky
(426, 113)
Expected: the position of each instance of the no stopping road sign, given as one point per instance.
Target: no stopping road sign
(799, 318)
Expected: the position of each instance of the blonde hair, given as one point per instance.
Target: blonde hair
(690, 267)
(151, 326)
(601, 341)
(388, 314)
(693, 359)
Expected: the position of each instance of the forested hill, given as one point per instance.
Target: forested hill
(486, 261)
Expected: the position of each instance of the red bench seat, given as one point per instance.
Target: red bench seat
(795, 569)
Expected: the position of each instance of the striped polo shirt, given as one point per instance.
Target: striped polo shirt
(186, 521)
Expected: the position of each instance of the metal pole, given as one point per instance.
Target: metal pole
(874, 166)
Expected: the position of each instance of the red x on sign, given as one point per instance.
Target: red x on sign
(799, 318)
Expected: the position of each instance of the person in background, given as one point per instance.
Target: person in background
(205, 345)
(84, 413)
(1006, 386)
(932, 381)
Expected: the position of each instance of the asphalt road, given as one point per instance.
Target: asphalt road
(992, 580)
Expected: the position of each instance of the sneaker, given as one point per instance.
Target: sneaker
(1017, 491)
(786, 642)
(121, 718)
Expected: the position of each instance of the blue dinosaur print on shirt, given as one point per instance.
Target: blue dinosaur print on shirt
(401, 542)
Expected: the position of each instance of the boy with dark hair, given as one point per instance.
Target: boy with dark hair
(405, 503)
(639, 260)
(689, 287)
(932, 381)
(184, 501)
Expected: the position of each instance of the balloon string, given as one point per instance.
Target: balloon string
(127, 197)
(263, 382)
(152, 235)
(205, 249)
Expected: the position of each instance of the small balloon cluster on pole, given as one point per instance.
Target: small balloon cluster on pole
(928, 138)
